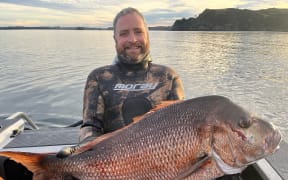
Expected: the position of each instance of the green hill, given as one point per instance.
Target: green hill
(235, 20)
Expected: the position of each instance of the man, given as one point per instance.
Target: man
(114, 94)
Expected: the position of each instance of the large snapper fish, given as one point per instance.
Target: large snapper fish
(201, 138)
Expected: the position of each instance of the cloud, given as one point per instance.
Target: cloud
(264, 4)
(164, 16)
(100, 13)
(14, 14)
(39, 3)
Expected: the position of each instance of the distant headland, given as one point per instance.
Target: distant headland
(235, 20)
(53, 27)
(230, 19)
(156, 28)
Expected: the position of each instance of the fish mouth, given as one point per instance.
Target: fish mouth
(272, 142)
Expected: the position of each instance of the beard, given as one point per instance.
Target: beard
(133, 53)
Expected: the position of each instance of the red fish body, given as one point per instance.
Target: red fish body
(201, 138)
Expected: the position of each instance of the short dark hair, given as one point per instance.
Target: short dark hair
(126, 11)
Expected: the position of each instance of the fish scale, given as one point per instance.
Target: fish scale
(163, 158)
(160, 154)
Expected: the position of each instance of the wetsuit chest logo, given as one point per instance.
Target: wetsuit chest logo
(135, 87)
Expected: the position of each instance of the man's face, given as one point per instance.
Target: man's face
(131, 38)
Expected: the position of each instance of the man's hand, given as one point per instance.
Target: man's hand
(67, 151)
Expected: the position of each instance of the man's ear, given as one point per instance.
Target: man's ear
(115, 41)
(114, 37)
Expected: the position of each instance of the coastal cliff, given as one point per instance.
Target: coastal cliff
(235, 20)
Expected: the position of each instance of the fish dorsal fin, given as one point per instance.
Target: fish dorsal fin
(103, 137)
(90, 145)
(156, 108)
(99, 139)
(194, 167)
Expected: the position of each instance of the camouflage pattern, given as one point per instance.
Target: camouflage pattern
(108, 87)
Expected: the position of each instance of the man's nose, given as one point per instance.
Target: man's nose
(132, 37)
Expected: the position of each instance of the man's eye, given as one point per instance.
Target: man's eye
(123, 33)
(139, 32)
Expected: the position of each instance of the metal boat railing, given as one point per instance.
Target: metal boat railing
(24, 116)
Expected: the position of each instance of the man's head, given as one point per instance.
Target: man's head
(131, 36)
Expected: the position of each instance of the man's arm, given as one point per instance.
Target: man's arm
(93, 110)
(177, 91)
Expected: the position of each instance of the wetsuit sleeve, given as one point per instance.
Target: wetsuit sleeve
(177, 92)
(93, 109)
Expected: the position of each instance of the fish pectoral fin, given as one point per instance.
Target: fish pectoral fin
(194, 167)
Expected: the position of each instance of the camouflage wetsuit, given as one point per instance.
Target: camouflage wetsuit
(114, 94)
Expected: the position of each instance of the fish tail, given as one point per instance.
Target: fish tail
(31, 161)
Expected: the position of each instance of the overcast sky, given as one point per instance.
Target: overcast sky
(100, 13)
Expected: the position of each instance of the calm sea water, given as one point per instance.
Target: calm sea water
(43, 72)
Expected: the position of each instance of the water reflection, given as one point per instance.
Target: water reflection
(43, 72)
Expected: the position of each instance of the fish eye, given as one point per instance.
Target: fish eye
(244, 122)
